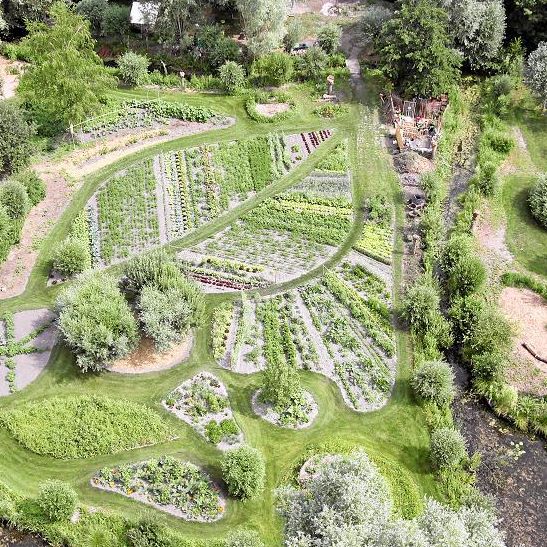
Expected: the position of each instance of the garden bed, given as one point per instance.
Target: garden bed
(202, 402)
(178, 488)
(300, 416)
(147, 359)
(528, 311)
(26, 341)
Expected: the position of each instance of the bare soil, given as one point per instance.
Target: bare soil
(271, 109)
(491, 238)
(147, 359)
(528, 311)
(11, 81)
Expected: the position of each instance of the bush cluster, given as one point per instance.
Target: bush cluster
(57, 499)
(434, 381)
(244, 472)
(537, 200)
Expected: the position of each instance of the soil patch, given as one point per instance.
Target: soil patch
(492, 242)
(147, 359)
(517, 485)
(529, 311)
(412, 162)
(270, 110)
(11, 81)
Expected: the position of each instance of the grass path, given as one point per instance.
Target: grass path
(397, 432)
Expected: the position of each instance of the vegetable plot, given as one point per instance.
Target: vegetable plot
(339, 326)
(178, 488)
(202, 402)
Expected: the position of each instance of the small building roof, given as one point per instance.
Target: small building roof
(144, 13)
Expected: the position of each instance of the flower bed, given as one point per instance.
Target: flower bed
(202, 402)
(299, 415)
(178, 488)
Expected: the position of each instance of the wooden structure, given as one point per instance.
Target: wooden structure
(417, 123)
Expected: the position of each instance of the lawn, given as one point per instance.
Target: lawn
(526, 239)
(395, 434)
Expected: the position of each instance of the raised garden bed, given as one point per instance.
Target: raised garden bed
(299, 415)
(202, 402)
(170, 485)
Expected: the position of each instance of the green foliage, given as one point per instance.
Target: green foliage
(488, 343)
(537, 200)
(14, 198)
(232, 77)
(373, 18)
(467, 276)
(34, 185)
(458, 246)
(434, 381)
(518, 279)
(96, 322)
(421, 308)
(536, 71)
(15, 139)
(273, 69)
(93, 10)
(166, 315)
(213, 48)
(244, 470)
(416, 52)
(295, 33)
(243, 537)
(66, 81)
(133, 68)
(57, 499)
(71, 257)
(447, 448)
(116, 20)
(312, 65)
(84, 426)
(147, 533)
(328, 38)
(217, 432)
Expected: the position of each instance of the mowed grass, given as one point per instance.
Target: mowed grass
(396, 433)
(526, 238)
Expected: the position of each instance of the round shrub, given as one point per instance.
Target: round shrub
(147, 533)
(96, 322)
(243, 538)
(133, 68)
(447, 448)
(275, 69)
(467, 275)
(434, 381)
(487, 179)
(537, 200)
(14, 198)
(15, 139)
(244, 470)
(328, 38)
(71, 257)
(456, 247)
(57, 499)
(232, 76)
(34, 185)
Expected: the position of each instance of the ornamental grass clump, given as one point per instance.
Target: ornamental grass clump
(447, 448)
(57, 500)
(434, 382)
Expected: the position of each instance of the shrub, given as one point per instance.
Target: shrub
(147, 533)
(487, 180)
(373, 19)
(312, 65)
(232, 77)
(499, 142)
(273, 69)
(57, 499)
(14, 198)
(133, 68)
(96, 322)
(328, 38)
(458, 246)
(84, 426)
(467, 276)
(116, 20)
(447, 448)
(93, 10)
(537, 200)
(243, 538)
(421, 308)
(434, 381)
(463, 313)
(165, 316)
(34, 185)
(244, 471)
(7, 235)
(15, 139)
(71, 257)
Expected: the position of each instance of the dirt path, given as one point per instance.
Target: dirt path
(11, 81)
